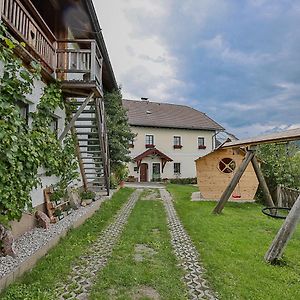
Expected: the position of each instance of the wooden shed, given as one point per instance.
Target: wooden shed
(216, 169)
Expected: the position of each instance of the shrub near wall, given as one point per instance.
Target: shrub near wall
(192, 180)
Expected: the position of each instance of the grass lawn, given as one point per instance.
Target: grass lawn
(40, 282)
(232, 247)
(142, 264)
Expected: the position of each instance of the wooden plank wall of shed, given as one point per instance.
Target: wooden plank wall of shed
(212, 182)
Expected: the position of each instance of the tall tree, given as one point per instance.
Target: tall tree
(119, 132)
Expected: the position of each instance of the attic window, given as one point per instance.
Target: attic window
(227, 165)
(148, 112)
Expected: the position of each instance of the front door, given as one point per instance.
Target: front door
(144, 172)
(156, 172)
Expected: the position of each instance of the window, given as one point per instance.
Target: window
(177, 168)
(227, 165)
(201, 144)
(131, 144)
(24, 110)
(54, 125)
(149, 140)
(177, 142)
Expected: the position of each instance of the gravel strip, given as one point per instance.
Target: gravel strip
(31, 241)
(186, 254)
(79, 282)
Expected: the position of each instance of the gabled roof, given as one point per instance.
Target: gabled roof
(154, 114)
(153, 151)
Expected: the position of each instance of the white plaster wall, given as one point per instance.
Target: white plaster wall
(163, 140)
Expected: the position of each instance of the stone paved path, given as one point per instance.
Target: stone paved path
(80, 280)
(186, 253)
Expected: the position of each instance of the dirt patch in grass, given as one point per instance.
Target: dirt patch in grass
(143, 292)
(142, 252)
(150, 194)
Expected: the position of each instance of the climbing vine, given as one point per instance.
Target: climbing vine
(23, 148)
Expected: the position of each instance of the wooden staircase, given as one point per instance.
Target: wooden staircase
(88, 125)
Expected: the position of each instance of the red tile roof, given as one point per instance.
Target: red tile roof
(154, 114)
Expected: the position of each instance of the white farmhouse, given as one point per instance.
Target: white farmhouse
(169, 138)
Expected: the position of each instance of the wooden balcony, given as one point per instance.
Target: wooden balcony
(79, 66)
(29, 27)
(77, 63)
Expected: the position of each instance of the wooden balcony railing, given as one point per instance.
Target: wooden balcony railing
(79, 60)
(41, 41)
(69, 60)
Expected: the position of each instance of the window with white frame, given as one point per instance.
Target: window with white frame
(201, 143)
(177, 142)
(177, 168)
(149, 139)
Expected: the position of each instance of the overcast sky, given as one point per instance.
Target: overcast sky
(237, 61)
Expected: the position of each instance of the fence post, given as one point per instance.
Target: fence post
(279, 195)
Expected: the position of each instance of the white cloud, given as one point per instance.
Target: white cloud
(143, 65)
(222, 49)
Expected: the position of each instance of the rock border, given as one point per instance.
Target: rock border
(13, 268)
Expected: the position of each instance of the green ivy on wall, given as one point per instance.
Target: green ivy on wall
(23, 148)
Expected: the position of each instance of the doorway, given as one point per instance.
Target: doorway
(144, 172)
(156, 172)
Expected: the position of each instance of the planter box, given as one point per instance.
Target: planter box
(202, 147)
(149, 145)
(177, 146)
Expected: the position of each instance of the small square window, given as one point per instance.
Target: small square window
(135, 169)
(149, 140)
(177, 168)
(177, 142)
(201, 144)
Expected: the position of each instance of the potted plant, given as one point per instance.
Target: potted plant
(87, 197)
(57, 196)
(58, 214)
(121, 174)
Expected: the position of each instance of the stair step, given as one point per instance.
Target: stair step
(90, 152)
(96, 168)
(86, 133)
(80, 145)
(85, 119)
(87, 157)
(88, 111)
(88, 140)
(85, 126)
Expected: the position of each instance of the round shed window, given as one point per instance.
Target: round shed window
(227, 165)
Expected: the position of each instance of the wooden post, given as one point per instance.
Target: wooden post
(279, 195)
(284, 234)
(79, 111)
(233, 183)
(262, 182)
(100, 121)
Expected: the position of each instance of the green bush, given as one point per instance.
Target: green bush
(87, 195)
(192, 180)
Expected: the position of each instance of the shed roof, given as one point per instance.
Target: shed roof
(154, 114)
(283, 136)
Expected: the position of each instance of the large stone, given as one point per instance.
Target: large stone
(7, 242)
(43, 219)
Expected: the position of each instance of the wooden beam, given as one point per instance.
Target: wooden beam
(262, 182)
(100, 121)
(233, 183)
(284, 234)
(75, 117)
